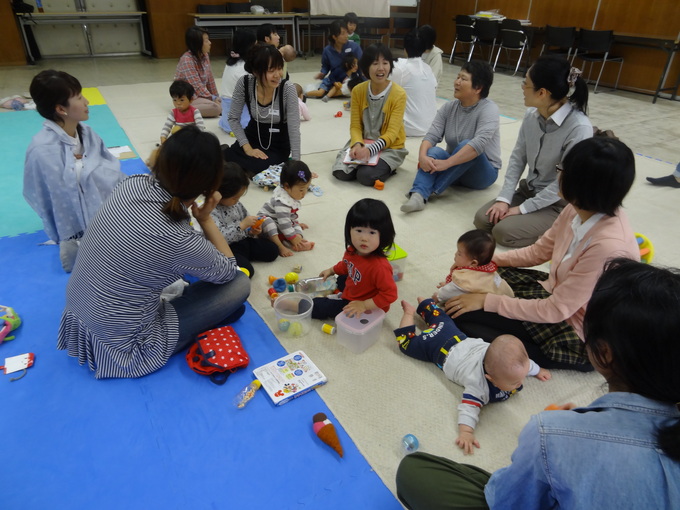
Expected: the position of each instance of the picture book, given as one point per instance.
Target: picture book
(289, 377)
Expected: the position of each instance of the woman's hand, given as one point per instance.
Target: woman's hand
(427, 164)
(359, 152)
(464, 303)
(497, 212)
(203, 213)
(256, 153)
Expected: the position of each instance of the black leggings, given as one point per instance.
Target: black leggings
(488, 325)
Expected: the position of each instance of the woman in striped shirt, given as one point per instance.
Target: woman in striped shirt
(141, 241)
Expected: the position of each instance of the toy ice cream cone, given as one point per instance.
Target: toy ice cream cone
(326, 432)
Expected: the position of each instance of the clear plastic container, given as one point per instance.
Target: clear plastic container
(293, 314)
(359, 333)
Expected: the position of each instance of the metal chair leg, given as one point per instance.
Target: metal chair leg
(453, 51)
(521, 53)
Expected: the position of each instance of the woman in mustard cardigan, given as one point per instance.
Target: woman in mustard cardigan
(377, 123)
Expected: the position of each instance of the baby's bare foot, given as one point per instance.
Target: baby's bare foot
(304, 246)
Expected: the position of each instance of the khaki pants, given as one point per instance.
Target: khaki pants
(522, 229)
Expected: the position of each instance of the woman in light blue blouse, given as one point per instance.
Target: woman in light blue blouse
(621, 451)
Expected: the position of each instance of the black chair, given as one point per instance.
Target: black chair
(512, 38)
(405, 25)
(559, 40)
(593, 46)
(465, 34)
(373, 29)
(238, 7)
(486, 34)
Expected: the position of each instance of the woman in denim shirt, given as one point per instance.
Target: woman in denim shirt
(622, 451)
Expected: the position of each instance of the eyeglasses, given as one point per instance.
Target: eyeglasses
(559, 167)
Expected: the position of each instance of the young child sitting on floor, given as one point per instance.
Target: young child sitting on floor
(350, 68)
(238, 228)
(281, 210)
(183, 113)
(473, 271)
(304, 111)
(365, 275)
(488, 372)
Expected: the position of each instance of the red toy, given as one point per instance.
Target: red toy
(339, 114)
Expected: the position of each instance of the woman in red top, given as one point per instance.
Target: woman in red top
(194, 67)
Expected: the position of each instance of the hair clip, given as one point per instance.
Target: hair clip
(301, 175)
(574, 73)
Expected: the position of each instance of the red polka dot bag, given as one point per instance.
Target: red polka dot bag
(217, 353)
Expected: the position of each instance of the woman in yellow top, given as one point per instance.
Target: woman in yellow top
(377, 123)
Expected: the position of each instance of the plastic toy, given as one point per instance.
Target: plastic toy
(257, 224)
(9, 321)
(646, 248)
(337, 115)
(325, 430)
(279, 285)
(553, 407)
(378, 184)
(296, 329)
(284, 324)
(244, 271)
(410, 443)
(329, 329)
(291, 278)
(297, 269)
(244, 396)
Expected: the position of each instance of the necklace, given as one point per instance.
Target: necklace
(271, 118)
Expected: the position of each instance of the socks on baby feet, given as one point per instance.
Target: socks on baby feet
(68, 250)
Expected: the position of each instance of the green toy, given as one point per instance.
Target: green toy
(9, 321)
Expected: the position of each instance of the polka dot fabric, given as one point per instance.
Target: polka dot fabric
(217, 351)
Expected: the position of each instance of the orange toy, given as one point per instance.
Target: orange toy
(257, 224)
(378, 184)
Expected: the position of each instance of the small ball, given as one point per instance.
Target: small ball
(284, 324)
(296, 329)
(291, 277)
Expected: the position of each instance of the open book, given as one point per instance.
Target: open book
(371, 162)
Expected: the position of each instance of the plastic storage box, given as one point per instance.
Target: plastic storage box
(359, 333)
(293, 314)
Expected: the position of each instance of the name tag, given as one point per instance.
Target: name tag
(348, 50)
(274, 130)
(274, 112)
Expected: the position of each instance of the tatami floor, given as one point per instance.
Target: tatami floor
(380, 395)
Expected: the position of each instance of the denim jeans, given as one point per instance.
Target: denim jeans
(205, 305)
(475, 174)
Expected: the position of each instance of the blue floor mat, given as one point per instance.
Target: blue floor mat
(168, 440)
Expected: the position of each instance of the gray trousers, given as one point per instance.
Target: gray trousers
(521, 229)
(428, 482)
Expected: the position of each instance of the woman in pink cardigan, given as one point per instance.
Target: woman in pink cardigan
(547, 310)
